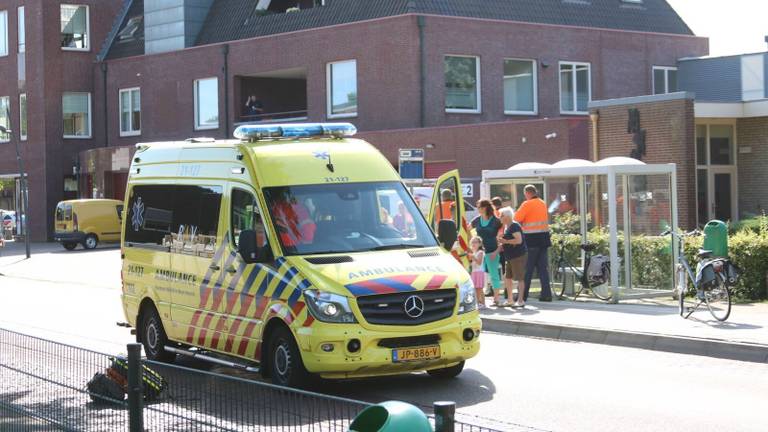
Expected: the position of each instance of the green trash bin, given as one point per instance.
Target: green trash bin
(716, 238)
(392, 416)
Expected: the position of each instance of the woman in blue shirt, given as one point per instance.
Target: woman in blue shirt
(487, 227)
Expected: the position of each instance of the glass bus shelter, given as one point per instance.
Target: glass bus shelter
(621, 204)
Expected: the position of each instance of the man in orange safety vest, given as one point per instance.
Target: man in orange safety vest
(534, 218)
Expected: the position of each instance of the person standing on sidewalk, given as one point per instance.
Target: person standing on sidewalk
(487, 226)
(515, 255)
(534, 218)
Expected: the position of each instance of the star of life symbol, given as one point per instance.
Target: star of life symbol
(323, 154)
(137, 218)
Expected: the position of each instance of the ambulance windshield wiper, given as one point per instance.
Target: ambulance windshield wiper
(396, 246)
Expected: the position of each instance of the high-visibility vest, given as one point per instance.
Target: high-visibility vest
(533, 217)
(445, 209)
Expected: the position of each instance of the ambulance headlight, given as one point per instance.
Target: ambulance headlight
(327, 307)
(467, 296)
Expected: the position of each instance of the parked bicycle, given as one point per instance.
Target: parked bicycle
(594, 275)
(712, 280)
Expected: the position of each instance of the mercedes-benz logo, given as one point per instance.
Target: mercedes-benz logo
(414, 306)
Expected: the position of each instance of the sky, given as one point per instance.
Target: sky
(733, 26)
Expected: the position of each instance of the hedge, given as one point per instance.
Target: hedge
(652, 255)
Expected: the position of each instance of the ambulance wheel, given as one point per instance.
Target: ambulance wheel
(153, 336)
(91, 241)
(285, 365)
(447, 373)
(69, 245)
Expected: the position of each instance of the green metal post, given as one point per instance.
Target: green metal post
(444, 416)
(135, 395)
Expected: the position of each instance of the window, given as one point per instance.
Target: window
(182, 218)
(77, 115)
(130, 112)
(245, 215)
(207, 103)
(74, 28)
(22, 30)
(5, 106)
(342, 89)
(462, 84)
(520, 87)
(3, 33)
(575, 87)
(664, 79)
(23, 116)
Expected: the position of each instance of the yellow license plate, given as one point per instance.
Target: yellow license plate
(416, 354)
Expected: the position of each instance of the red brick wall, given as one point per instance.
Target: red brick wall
(753, 174)
(670, 138)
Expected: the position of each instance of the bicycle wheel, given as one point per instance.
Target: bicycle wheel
(718, 299)
(557, 279)
(680, 288)
(603, 291)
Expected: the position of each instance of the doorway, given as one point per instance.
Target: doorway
(716, 173)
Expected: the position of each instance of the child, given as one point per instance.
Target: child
(478, 272)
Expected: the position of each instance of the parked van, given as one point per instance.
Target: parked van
(88, 222)
(273, 249)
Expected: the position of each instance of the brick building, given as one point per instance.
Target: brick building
(477, 84)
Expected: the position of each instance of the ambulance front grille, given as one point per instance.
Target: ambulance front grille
(389, 309)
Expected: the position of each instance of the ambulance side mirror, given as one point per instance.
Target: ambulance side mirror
(447, 233)
(249, 249)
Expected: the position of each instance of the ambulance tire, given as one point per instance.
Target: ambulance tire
(90, 241)
(285, 365)
(153, 336)
(447, 373)
(69, 245)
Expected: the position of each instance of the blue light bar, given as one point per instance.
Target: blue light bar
(256, 132)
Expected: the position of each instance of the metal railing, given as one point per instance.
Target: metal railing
(43, 387)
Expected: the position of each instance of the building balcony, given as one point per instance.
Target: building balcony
(275, 96)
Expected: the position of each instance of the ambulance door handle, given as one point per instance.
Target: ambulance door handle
(231, 269)
(214, 267)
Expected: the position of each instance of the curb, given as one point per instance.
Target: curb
(755, 353)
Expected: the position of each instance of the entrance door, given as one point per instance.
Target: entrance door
(722, 194)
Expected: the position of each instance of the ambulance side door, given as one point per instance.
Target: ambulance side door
(198, 257)
(446, 216)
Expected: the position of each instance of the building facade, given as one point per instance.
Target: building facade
(481, 86)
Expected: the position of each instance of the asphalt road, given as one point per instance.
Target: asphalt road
(513, 384)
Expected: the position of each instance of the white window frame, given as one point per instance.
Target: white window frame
(8, 98)
(575, 88)
(22, 114)
(732, 169)
(129, 92)
(196, 91)
(87, 28)
(21, 29)
(90, 117)
(666, 70)
(535, 87)
(4, 38)
(478, 90)
(329, 91)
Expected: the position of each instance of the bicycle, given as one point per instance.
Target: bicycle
(712, 280)
(598, 282)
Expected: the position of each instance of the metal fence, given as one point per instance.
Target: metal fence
(43, 388)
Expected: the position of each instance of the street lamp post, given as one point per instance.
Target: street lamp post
(24, 194)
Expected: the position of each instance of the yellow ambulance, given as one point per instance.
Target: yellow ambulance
(295, 248)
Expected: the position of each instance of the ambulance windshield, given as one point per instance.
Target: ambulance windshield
(346, 218)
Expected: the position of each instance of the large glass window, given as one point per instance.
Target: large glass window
(575, 87)
(23, 116)
(5, 107)
(520, 87)
(3, 33)
(207, 103)
(130, 112)
(77, 115)
(664, 79)
(344, 218)
(74, 27)
(462, 84)
(183, 218)
(342, 89)
(22, 31)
